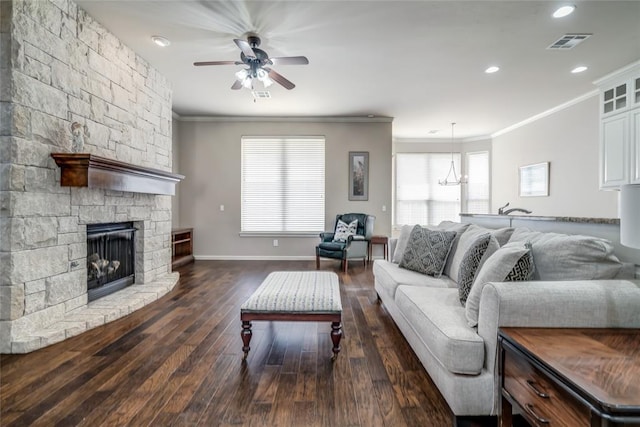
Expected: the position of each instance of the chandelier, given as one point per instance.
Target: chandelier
(452, 178)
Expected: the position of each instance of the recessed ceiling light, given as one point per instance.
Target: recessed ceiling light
(563, 11)
(492, 69)
(579, 69)
(160, 41)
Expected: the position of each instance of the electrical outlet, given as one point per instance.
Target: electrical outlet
(221, 208)
(275, 243)
(384, 208)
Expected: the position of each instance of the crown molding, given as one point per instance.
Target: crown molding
(314, 119)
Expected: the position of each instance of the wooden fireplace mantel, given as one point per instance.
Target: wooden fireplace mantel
(87, 170)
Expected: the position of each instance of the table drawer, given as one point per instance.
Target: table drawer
(544, 402)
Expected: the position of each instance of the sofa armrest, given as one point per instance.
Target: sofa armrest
(570, 304)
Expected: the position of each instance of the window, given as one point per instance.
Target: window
(478, 184)
(419, 197)
(282, 185)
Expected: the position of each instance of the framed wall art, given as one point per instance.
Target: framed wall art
(534, 180)
(358, 175)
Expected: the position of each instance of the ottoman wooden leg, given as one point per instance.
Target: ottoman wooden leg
(336, 335)
(246, 338)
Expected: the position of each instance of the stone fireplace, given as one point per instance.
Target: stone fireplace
(61, 70)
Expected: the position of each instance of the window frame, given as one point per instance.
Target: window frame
(281, 233)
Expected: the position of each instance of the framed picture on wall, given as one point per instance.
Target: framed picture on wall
(358, 175)
(534, 180)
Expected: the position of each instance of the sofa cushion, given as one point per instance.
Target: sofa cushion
(569, 257)
(480, 250)
(438, 318)
(427, 250)
(467, 239)
(510, 263)
(459, 228)
(389, 276)
(401, 244)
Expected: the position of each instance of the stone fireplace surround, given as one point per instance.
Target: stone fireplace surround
(60, 67)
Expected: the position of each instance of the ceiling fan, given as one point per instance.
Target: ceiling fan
(258, 65)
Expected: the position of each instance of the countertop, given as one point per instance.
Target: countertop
(613, 221)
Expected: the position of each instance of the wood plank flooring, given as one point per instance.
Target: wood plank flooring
(178, 362)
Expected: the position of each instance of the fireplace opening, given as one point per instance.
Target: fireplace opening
(110, 258)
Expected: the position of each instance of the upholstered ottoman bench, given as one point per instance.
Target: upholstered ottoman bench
(305, 296)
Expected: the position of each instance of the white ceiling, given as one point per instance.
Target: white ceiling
(420, 62)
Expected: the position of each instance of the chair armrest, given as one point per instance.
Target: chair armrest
(327, 236)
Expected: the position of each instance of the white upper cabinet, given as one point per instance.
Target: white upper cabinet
(620, 127)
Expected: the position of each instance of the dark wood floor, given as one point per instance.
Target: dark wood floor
(178, 362)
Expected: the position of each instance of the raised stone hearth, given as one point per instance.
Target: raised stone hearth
(68, 85)
(94, 314)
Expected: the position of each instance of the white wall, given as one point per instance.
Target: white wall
(210, 160)
(568, 140)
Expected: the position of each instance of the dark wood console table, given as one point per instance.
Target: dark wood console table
(570, 377)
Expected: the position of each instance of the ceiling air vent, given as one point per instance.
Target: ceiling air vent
(261, 94)
(569, 41)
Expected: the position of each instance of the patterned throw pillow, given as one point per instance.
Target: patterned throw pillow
(344, 230)
(469, 265)
(427, 250)
(510, 263)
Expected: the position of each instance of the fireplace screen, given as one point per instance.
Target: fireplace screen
(110, 258)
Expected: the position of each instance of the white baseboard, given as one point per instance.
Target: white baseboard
(253, 258)
(264, 258)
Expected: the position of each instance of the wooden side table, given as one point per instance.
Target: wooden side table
(379, 240)
(570, 377)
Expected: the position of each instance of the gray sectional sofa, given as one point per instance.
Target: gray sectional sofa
(577, 282)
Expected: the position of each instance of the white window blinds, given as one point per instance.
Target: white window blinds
(478, 184)
(419, 197)
(282, 184)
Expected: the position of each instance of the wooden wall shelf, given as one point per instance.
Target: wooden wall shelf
(87, 170)
(181, 246)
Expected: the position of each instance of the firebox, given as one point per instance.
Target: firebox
(110, 258)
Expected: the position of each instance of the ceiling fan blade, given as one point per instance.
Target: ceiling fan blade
(237, 85)
(198, 64)
(289, 60)
(245, 48)
(279, 78)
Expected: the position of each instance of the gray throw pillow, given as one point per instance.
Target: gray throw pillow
(509, 263)
(465, 241)
(427, 250)
(469, 265)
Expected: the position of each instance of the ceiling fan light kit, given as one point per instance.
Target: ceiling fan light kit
(258, 62)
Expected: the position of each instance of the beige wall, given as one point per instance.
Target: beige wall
(568, 139)
(210, 160)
